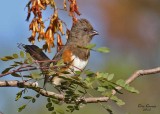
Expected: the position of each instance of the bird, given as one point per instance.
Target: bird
(73, 55)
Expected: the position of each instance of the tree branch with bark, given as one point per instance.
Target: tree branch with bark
(34, 86)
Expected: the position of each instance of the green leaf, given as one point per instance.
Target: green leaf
(18, 95)
(48, 105)
(76, 107)
(21, 108)
(56, 101)
(117, 100)
(37, 96)
(7, 58)
(60, 63)
(90, 46)
(49, 99)
(35, 75)
(101, 89)
(27, 97)
(70, 108)
(6, 70)
(17, 62)
(30, 60)
(60, 111)
(102, 75)
(4, 59)
(121, 83)
(89, 73)
(50, 108)
(108, 93)
(15, 55)
(110, 77)
(78, 72)
(65, 72)
(53, 112)
(15, 74)
(81, 91)
(108, 109)
(33, 100)
(51, 65)
(103, 49)
(22, 54)
(131, 89)
(69, 92)
(28, 55)
(14, 65)
(52, 73)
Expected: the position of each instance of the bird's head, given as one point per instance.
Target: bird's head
(82, 31)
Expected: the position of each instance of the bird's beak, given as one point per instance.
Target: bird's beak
(94, 32)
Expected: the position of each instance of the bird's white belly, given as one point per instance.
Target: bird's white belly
(78, 64)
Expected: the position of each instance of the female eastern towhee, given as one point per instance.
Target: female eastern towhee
(72, 54)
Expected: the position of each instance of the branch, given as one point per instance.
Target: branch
(31, 85)
(136, 75)
(34, 86)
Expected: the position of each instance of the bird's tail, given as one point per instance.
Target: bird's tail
(37, 54)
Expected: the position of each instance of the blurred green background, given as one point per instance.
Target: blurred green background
(130, 28)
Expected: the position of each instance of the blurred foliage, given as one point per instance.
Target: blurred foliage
(135, 22)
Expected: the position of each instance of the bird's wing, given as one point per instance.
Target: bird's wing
(36, 52)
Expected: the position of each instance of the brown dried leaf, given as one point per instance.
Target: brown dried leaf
(74, 19)
(41, 34)
(76, 9)
(45, 47)
(55, 16)
(47, 2)
(48, 33)
(53, 4)
(50, 44)
(65, 5)
(31, 26)
(67, 33)
(73, 8)
(29, 10)
(59, 43)
(60, 27)
(32, 38)
(40, 37)
(49, 38)
(54, 28)
(35, 26)
(54, 22)
(34, 3)
(40, 5)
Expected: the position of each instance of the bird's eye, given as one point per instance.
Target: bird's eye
(85, 29)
